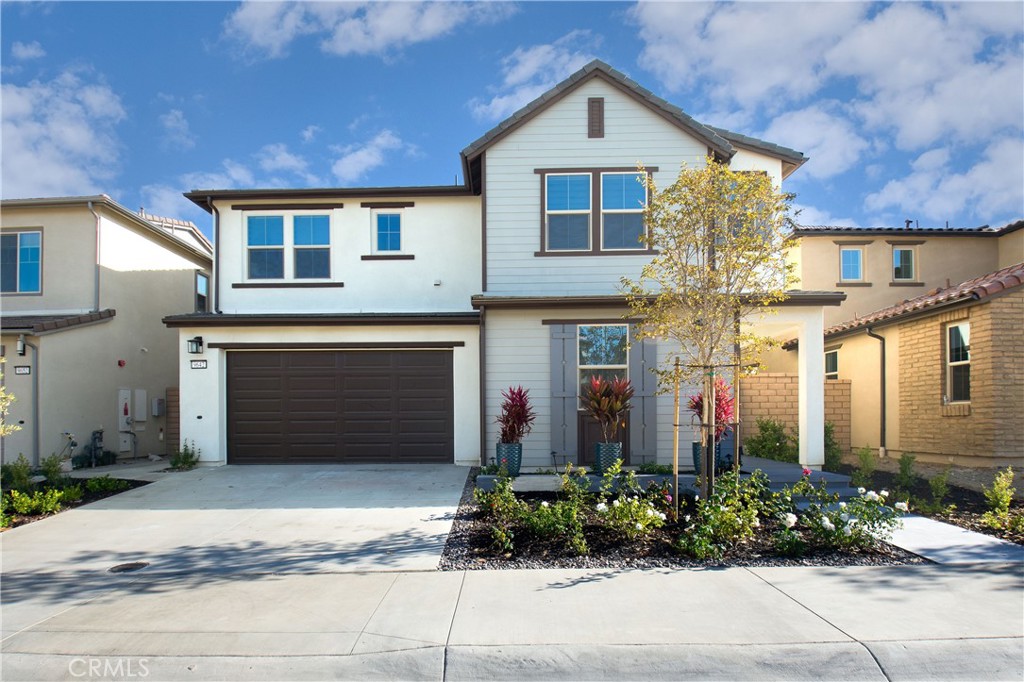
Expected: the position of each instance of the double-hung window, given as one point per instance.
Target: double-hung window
(623, 198)
(851, 264)
(567, 209)
(602, 352)
(387, 228)
(903, 268)
(312, 244)
(265, 241)
(21, 263)
(958, 362)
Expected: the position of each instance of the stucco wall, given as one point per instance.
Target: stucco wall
(775, 395)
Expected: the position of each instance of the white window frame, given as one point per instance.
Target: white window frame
(950, 364)
(580, 367)
(640, 246)
(589, 212)
(860, 251)
(832, 375)
(288, 246)
(401, 231)
(913, 263)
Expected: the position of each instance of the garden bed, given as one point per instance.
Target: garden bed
(13, 519)
(470, 545)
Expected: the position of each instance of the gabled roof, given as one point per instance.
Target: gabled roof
(972, 290)
(46, 324)
(981, 231)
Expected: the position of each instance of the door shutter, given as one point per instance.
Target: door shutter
(563, 390)
(643, 431)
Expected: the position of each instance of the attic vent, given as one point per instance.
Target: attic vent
(595, 117)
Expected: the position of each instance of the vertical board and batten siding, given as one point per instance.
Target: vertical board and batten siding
(557, 138)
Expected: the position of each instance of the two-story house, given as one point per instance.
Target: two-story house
(85, 284)
(929, 337)
(382, 324)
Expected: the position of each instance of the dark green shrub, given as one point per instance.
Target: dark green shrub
(865, 468)
(17, 475)
(906, 477)
(654, 468)
(833, 453)
(105, 484)
(51, 469)
(772, 442)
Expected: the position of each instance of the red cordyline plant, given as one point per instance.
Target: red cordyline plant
(607, 401)
(517, 415)
(725, 406)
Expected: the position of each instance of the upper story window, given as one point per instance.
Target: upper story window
(305, 237)
(903, 265)
(602, 351)
(958, 362)
(832, 364)
(387, 227)
(851, 264)
(592, 212)
(623, 198)
(202, 292)
(312, 243)
(21, 263)
(568, 212)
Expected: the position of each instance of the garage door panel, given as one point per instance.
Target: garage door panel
(340, 406)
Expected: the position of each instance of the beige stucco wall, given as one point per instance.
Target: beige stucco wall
(989, 430)
(939, 259)
(775, 395)
(1011, 249)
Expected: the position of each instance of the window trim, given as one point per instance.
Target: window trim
(288, 248)
(913, 264)
(856, 248)
(397, 254)
(206, 275)
(617, 211)
(596, 222)
(832, 376)
(580, 366)
(20, 231)
(948, 398)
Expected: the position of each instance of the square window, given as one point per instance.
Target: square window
(312, 230)
(266, 264)
(266, 230)
(903, 264)
(569, 232)
(851, 264)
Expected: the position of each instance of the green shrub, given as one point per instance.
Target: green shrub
(71, 494)
(833, 453)
(939, 485)
(865, 467)
(105, 484)
(5, 520)
(39, 502)
(999, 497)
(51, 469)
(186, 458)
(906, 477)
(17, 475)
(858, 523)
(730, 515)
(772, 442)
(655, 468)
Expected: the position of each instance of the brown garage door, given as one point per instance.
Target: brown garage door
(340, 406)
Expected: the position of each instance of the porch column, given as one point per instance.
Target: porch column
(811, 384)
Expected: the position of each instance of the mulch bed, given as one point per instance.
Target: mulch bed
(469, 548)
(970, 504)
(87, 497)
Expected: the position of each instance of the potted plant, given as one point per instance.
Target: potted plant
(607, 401)
(725, 406)
(516, 421)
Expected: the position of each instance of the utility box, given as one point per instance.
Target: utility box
(141, 407)
(159, 408)
(124, 410)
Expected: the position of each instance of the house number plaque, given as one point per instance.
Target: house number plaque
(198, 364)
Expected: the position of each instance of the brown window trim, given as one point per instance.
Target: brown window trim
(853, 242)
(397, 256)
(387, 204)
(853, 284)
(595, 212)
(905, 242)
(906, 284)
(286, 285)
(286, 207)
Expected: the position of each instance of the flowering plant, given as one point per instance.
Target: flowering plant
(725, 407)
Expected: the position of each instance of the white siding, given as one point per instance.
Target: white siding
(443, 234)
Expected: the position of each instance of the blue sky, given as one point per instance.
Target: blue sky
(907, 110)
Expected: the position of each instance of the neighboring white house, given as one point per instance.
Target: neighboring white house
(85, 284)
(382, 324)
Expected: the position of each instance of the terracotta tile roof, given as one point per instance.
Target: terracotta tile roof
(973, 289)
(980, 231)
(41, 324)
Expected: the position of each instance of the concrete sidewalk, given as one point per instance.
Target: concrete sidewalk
(806, 623)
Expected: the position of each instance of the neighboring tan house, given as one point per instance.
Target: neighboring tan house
(940, 375)
(382, 324)
(85, 284)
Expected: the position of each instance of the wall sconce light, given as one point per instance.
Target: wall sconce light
(21, 344)
(195, 345)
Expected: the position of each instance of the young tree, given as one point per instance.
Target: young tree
(719, 236)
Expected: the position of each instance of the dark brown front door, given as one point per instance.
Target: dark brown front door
(590, 433)
(340, 406)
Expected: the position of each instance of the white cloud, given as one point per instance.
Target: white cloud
(176, 131)
(829, 139)
(59, 136)
(275, 158)
(989, 191)
(267, 29)
(358, 160)
(167, 201)
(809, 215)
(530, 71)
(310, 132)
(23, 51)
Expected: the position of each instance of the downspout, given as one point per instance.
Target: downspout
(881, 340)
(483, 387)
(35, 402)
(216, 255)
(96, 279)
